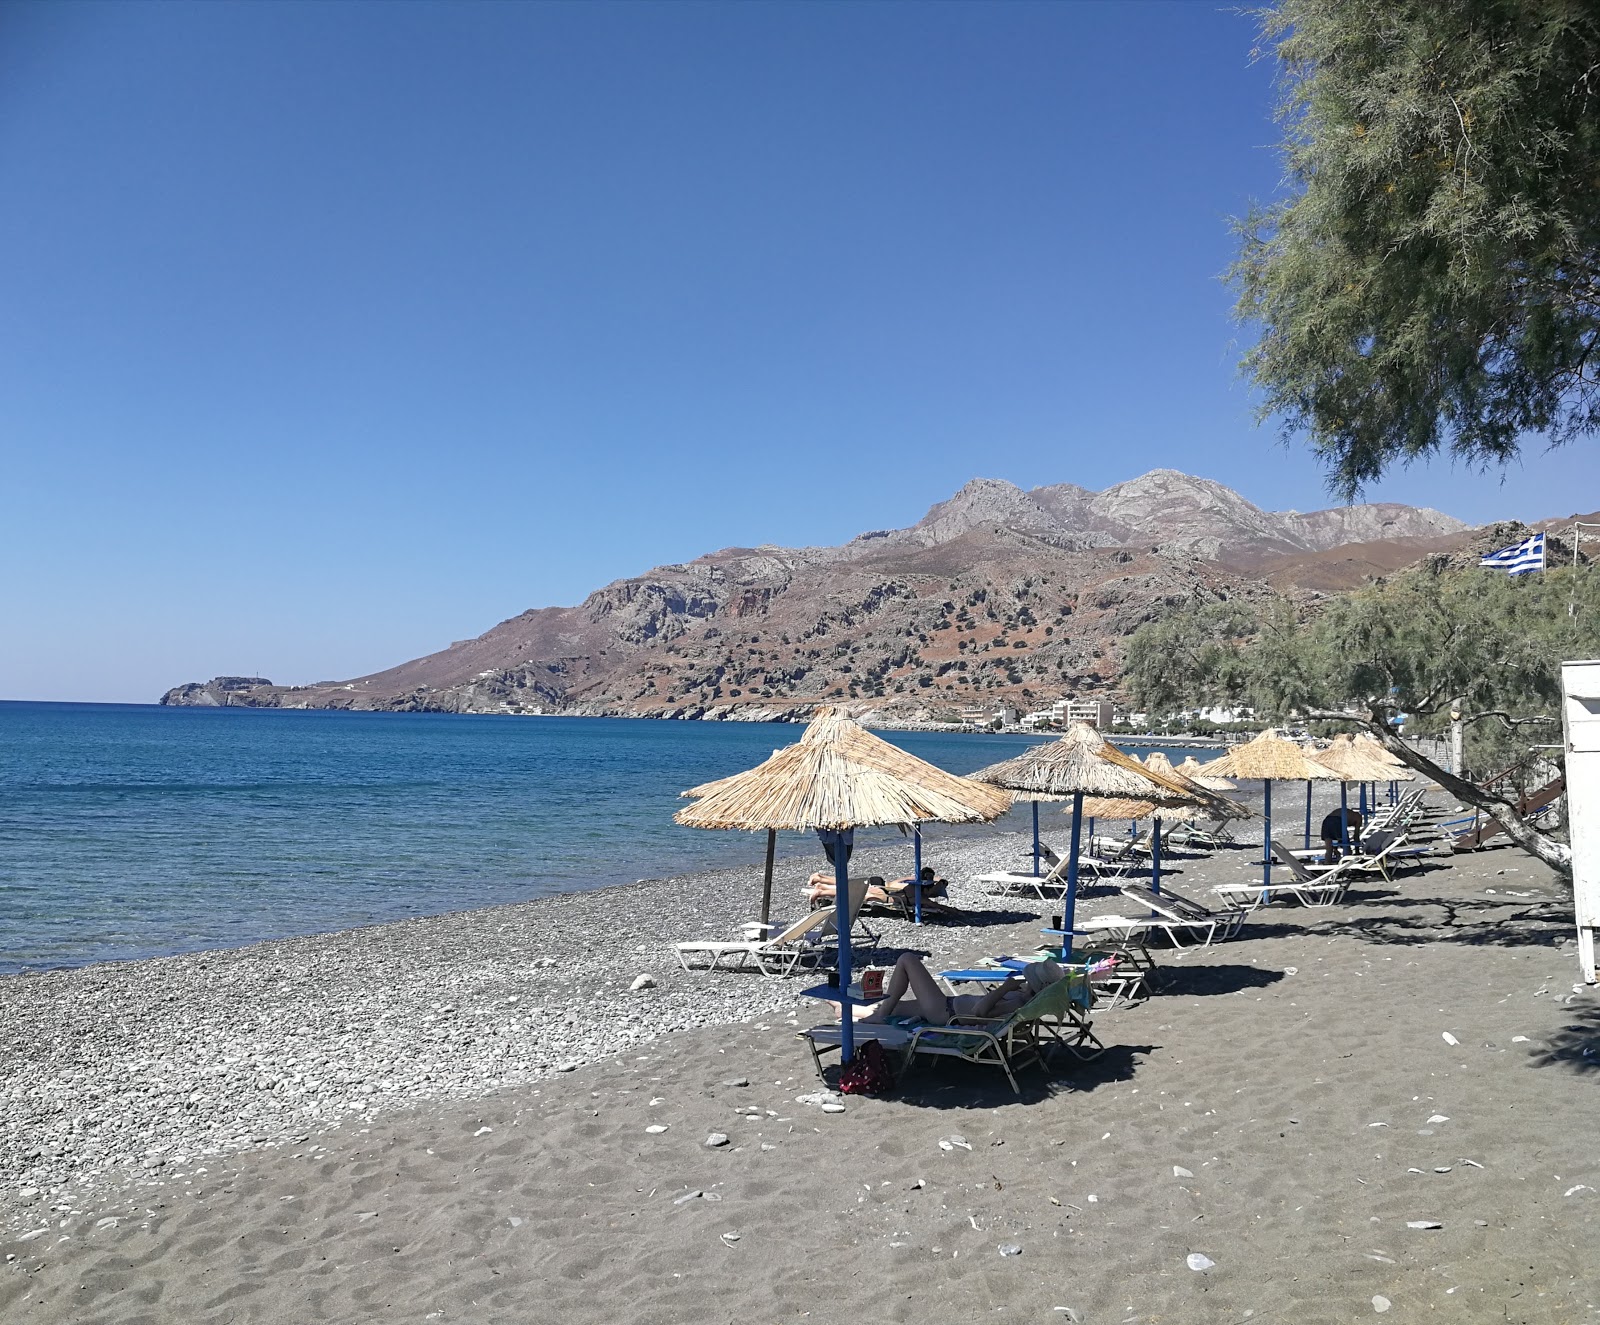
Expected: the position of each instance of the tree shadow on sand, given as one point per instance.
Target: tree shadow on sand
(1576, 1046)
(1416, 921)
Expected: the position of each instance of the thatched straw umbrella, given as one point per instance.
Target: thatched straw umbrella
(1376, 750)
(1194, 770)
(836, 778)
(1082, 763)
(1269, 758)
(1158, 762)
(1353, 764)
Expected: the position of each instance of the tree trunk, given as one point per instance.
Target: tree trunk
(1557, 855)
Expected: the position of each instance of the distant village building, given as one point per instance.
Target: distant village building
(1098, 713)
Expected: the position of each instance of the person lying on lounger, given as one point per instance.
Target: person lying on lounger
(938, 1008)
(820, 890)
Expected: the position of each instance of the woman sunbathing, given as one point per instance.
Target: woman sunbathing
(895, 895)
(939, 1008)
(820, 888)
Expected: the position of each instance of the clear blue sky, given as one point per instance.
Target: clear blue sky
(330, 333)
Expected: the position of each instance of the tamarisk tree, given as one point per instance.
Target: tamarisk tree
(1415, 646)
(1431, 280)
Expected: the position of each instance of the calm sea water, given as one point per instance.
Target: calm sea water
(135, 831)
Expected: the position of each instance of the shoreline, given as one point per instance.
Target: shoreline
(160, 1063)
(1389, 1099)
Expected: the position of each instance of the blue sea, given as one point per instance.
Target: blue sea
(132, 831)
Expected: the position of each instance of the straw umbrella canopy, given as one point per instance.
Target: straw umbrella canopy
(838, 777)
(1375, 749)
(1269, 758)
(1195, 771)
(1108, 807)
(1345, 757)
(1082, 763)
(1353, 764)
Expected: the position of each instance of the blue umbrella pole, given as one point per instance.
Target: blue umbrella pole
(1035, 839)
(1071, 906)
(1155, 854)
(916, 870)
(841, 924)
(1363, 802)
(1308, 814)
(1266, 836)
(1344, 817)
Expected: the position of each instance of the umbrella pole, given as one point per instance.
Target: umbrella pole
(1072, 877)
(1308, 814)
(916, 870)
(1155, 854)
(766, 880)
(1266, 835)
(1363, 802)
(1036, 839)
(841, 926)
(1344, 818)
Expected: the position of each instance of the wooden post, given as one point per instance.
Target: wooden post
(766, 881)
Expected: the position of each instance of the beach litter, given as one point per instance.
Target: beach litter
(656, 1129)
(1009, 1249)
(1380, 1303)
(1423, 1223)
(1438, 1118)
(717, 1139)
(688, 1196)
(1581, 1187)
(953, 1142)
(1449, 1038)
(1199, 1263)
(833, 1106)
(1178, 1171)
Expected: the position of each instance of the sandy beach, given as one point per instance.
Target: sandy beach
(471, 1118)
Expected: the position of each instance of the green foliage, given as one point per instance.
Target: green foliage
(1434, 280)
(1413, 644)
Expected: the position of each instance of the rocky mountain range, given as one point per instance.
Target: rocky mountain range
(997, 595)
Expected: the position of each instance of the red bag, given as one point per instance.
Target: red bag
(868, 1073)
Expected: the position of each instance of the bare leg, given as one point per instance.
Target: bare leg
(910, 975)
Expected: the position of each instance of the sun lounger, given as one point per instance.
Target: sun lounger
(802, 943)
(1114, 979)
(1373, 858)
(1308, 887)
(1215, 834)
(1185, 913)
(1041, 885)
(1056, 1017)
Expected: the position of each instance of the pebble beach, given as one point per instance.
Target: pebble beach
(1380, 1108)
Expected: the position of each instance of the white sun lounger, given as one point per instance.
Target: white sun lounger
(802, 943)
(782, 954)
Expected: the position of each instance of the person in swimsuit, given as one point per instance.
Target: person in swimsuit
(933, 1005)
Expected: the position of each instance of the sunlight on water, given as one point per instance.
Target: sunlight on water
(134, 831)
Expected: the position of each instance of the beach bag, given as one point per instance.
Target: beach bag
(868, 1073)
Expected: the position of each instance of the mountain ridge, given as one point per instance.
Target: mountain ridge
(997, 595)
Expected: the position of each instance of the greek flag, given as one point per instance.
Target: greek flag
(1519, 558)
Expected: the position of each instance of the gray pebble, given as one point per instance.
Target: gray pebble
(717, 1139)
(1009, 1249)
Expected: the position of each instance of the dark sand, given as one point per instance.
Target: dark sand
(1300, 1074)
